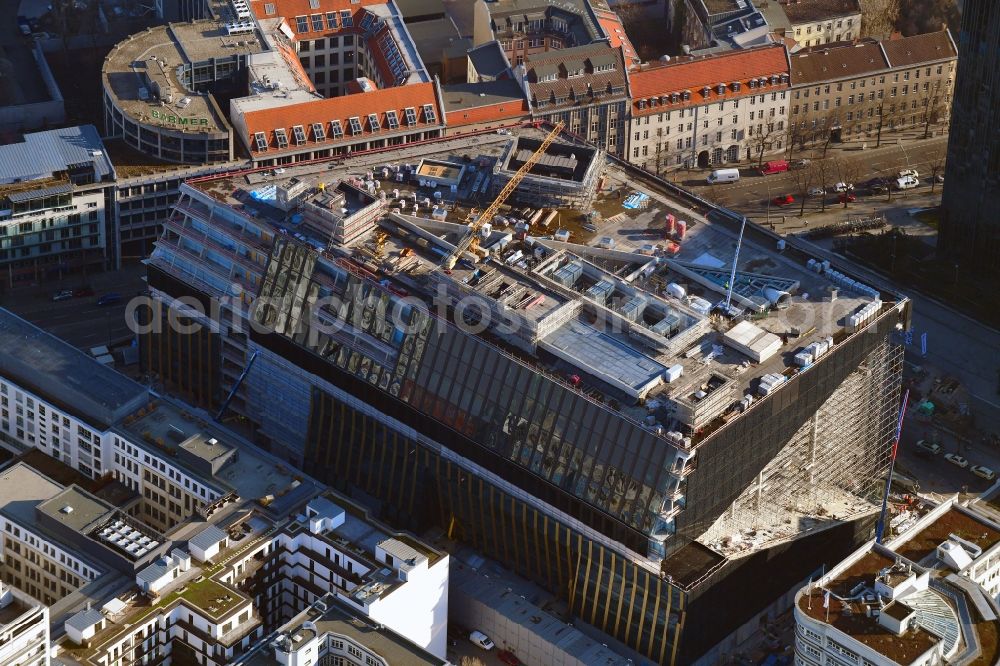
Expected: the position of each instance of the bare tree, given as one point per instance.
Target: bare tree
(848, 172)
(823, 175)
(935, 107)
(763, 139)
(878, 17)
(803, 181)
(937, 167)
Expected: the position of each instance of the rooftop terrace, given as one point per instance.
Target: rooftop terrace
(922, 543)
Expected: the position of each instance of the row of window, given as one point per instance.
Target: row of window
(355, 125)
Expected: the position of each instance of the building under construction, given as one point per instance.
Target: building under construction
(584, 415)
(566, 174)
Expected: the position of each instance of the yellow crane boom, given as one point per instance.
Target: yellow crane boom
(494, 207)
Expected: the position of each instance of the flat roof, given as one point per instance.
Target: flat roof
(22, 488)
(131, 60)
(338, 620)
(957, 521)
(75, 508)
(42, 154)
(604, 356)
(64, 375)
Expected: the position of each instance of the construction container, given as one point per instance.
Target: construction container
(562, 235)
(681, 229)
(700, 305)
(673, 373)
(671, 224)
(601, 291)
(803, 358)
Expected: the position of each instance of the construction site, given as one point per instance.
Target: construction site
(712, 390)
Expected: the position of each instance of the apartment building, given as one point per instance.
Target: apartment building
(585, 87)
(525, 28)
(709, 111)
(275, 542)
(816, 22)
(24, 629)
(859, 92)
(924, 598)
(56, 193)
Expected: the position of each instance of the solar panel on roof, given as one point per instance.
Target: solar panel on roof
(392, 119)
(355, 125)
(319, 134)
(300, 134)
(366, 21)
(411, 115)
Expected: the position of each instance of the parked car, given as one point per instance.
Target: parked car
(984, 472)
(508, 657)
(843, 187)
(956, 459)
(847, 197)
(481, 640)
(929, 447)
(939, 178)
(109, 299)
(783, 200)
(877, 186)
(906, 182)
(83, 291)
(774, 166)
(908, 172)
(799, 164)
(816, 191)
(62, 295)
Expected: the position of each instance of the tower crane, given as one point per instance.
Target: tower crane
(476, 222)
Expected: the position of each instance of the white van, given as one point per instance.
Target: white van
(724, 176)
(906, 183)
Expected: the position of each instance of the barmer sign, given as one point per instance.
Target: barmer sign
(178, 120)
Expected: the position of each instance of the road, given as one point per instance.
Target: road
(752, 192)
(80, 321)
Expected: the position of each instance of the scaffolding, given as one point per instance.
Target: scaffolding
(832, 469)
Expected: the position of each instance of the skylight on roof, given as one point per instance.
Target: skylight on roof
(373, 123)
(319, 134)
(261, 140)
(355, 125)
(366, 21)
(392, 119)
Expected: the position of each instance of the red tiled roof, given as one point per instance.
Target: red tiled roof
(694, 75)
(292, 8)
(324, 111)
(489, 113)
(612, 25)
